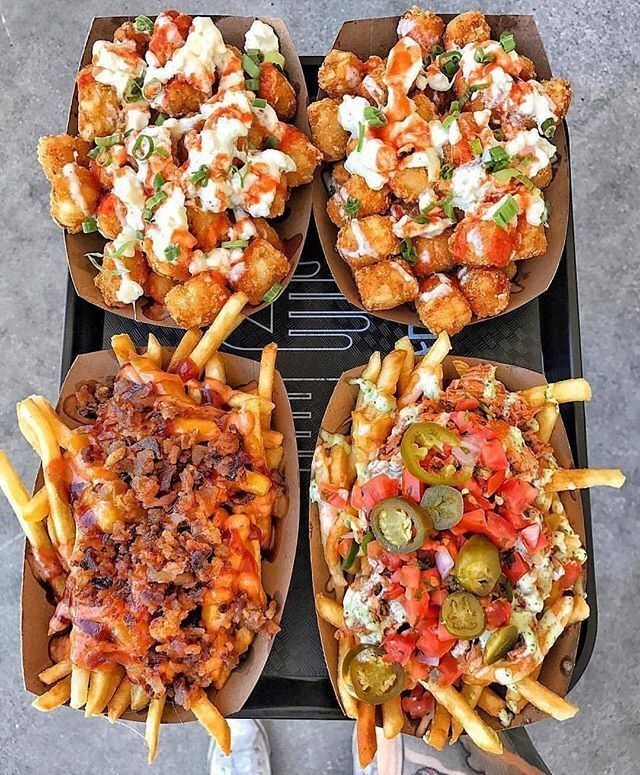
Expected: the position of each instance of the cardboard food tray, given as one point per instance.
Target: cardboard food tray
(291, 226)
(276, 569)
(559, 662)
(367, 37)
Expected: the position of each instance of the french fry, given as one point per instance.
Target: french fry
(214, 368)
(266, 377)
(253, 439)
(255, 482)
(366, 733)
(226, 320)
(563, 392)
(139, 698)
(38, 507)
(390, 372)
(102, 686)
(372, 369)
(428, 372)
(152, 725)
(436, 737)
(546, 700)
(581, 478)
(405, 345)
(54, 697)
(274, 457)
(185, 347)
(339, 466)
(392, 717)
(79, 686)
(212, 720)
(154, 350)
(579, 612)
(437, 352)
(546, 419)
(491, 703)
(471, 693)
(272, 439)
(62, 433)
(123, 347)
(515, 701)
(330, 610)
(54, 673)
(349, 702)
(120, 700)
(481, 734)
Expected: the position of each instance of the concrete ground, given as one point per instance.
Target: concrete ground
(595, 45)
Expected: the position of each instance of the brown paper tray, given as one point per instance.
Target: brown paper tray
(276, 569)
(366, 37)
(559, 662)
(292, 226)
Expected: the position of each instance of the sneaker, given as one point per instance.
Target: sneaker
(250, 750)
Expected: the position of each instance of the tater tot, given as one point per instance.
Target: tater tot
(425, 27)
(54, 151)
(372, 86)
(486, 290)
(277, 91)
(109, 280)
(409, 183)
(169, 33)
(157, 286)
(326, 132)
(481, 243)
(432, 254)
(542, 178)
(177, 270)
(386, 284)
(197, 301)
(340, 73)
(367, 240)
(268, 233)
(306, 156)
(527, 68)
(179, 98)
(98, 107)
(442, 306)
(558, 90)
(424, 107)
(110, 216)
(468, 27)
(354, 194)
(127, 31)
(210, 229)
(280, 199)
(74, 196)
(531, 240)
(263, 267)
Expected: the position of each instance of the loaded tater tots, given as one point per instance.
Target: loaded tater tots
(441, 151)
(183, 154)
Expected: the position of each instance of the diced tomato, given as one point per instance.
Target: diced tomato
(450, 544)
(494, 482)
(472, 502)
(374, 550)
(472, 522)
(394, 591)
(399, 647)
(572, 571)
(392, 561)
(461, 420)
(378, 489)
(497, 613)
(465, 404)
(492, 455)
(534, 537)
(416, 608)
(431, 578)
(515, 567)
(344, 545)
(412, 487)
(357, 498)
(449, 670)
(411, 576)
(517, 494)
(419, 703)
(517, 520)
(442, 632)
(500, 531)
(437, 597)
(431, 645)
(333, 495)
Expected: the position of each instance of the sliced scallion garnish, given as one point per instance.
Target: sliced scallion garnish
(200, 177)
(272, 293)
(143, 148)
(271, 141)
(507, 41)
(276, 58)
(90, 225)
(172, 252)
(360, 137)
(151, 204)
(109, 141)
(374, 116)
(258, 102)
(250, 67)
(252, 84)
(471, 90)
(352, 206)
(143, 24)
(158, 181)
(408, 251)
(548, 127)
(160, 119)
(476, 145)
(506, 212)
(236, 243)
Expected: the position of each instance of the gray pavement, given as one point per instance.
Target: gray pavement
(595, 45)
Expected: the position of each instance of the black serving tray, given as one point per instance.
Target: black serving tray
(319, 336)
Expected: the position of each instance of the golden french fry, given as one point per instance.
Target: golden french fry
(426, 378)
(226, 320)
(120, 700)
(267, 376)
(390, 372)
(349, 702)
(330, 610)
(436, 737)
(491, 703)
(185, 347)
(392, 717)
(580, 610)
(481, 734)
(102, 686)
(366, 733)
(515, 701)
(405, 345)
(214, 368)
(561, 392)
(274, 457)
(139, 698)
(581, 478)
(546, 419)
(152, 725)
(205, 430)
(255, 482)
(62, 433)
(54, 673)
(79, 686)
(253, 439)
(461, 367)
(372, 369)
(339, 466)
(154, 350)
(123, 347)
(212, 720)
(272, 439)
(54, 697)
(437, 352)
(471, 693)
(38, 507)
(546, 700)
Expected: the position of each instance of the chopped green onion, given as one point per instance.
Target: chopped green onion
(499, 159)
(480, 56)
(258, 102)
(548, 127)
(360, 137)
(151, 204)
(271, 141)
(507, 210)
(352, 206)
(252, 84)
(93, 153)
(350, 557)
(95, 259)
(172, 252)
(109, 141)
(161, 118)
(123, 248)
(450, 63)
(143, 148)
(200, 177)
(507, 41)
(447, 206)
(374, 116)
(254, 53)
(162, 152)
(545, 213)
(272, 293)
(276, 58)
(471, 90)
(143, 24)
(90, 225)
(446, 171)
(448, 120)
(505, 175)
(408, 251)
(158, 181)
(139, 235)
(236, 243)
(132, 91)
(476, 145)
(435, 52)
(250, 67)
